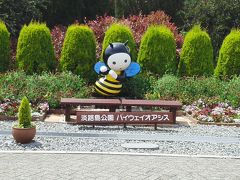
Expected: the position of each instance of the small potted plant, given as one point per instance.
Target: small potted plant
(25, 130)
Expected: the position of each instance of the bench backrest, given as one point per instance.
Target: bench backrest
(118, 102)
(74, 101)
(156, 103)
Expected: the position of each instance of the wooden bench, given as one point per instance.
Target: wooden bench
(124, 117)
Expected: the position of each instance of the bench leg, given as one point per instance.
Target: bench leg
(129, 108)
(174, 112)
(112, 109)
(155, 126)
(67, 113)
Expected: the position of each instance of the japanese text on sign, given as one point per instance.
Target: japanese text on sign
(124, 117)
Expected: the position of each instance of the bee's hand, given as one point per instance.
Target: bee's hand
(103, 69)
(113, 74)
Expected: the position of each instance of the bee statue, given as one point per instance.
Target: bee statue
(116, 67)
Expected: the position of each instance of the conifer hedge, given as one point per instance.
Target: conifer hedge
(4, 47)
(157, 52)
(196, 58)
(35, 52)
(120, 33)
(79, 51)
(229, 56)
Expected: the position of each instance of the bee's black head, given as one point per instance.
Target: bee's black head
(114, 48)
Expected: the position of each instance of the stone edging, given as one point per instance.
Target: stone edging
(219, 124)
(195, 121)
(118, 153)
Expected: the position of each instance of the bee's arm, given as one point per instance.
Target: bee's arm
(122, 76)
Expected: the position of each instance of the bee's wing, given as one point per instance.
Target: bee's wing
(133, 69)
(98, 65)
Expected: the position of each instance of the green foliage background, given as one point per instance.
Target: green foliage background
(35, 52)
(55, 13)
(120, 33)
(229, 56)
(157, 52)
(217, 16)
(196, 58)
(126, 7)
(4, 47)
(79, 52)
(51, 87)
(16, 13)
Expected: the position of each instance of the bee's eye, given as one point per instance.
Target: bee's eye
(125, 60)
(114, 62)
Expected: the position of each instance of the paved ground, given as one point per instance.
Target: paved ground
(95, 166)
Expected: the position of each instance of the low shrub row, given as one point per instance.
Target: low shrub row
(41, 88)
(138, 86)
(51, 87)
(188, 90)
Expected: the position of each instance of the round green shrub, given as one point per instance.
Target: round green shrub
(139, 86)
(166, 87)
(196, 58)
(35, 52)
(231, 91)
(206, 88)
(4, 47)
(157, 52)
(229, 56)
(191, 89)
(24, 114)
(79, 51)
(120, 33)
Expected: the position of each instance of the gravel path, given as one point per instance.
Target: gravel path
(217, 140)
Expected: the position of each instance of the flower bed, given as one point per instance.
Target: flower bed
(213, 112)
(9, 109)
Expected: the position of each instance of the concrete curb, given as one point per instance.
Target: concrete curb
(119, 153)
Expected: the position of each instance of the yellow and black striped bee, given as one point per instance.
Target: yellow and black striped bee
(117, 66)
